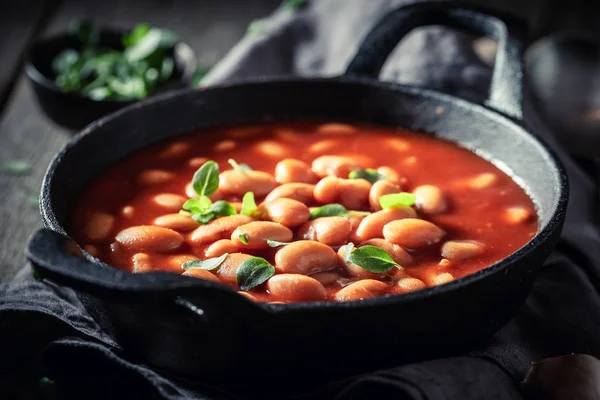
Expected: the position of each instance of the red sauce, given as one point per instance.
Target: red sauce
(475, 211)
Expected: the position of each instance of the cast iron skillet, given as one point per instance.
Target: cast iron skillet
(197, 328)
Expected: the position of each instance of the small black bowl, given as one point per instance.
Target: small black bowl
(73, 110)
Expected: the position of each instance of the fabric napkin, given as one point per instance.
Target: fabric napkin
(49, 345)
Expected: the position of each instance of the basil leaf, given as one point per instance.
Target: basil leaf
(275, 243)
(206, 179)
(372, 259)
(368, 174)
(222, 208)
(203, 218)
(329, 210)
(243, 238)
(293, 5)
(199, 205)
(397, 200)
(248, 204)
(17, 167)
(166, 68)
(239, 167)
(145, 46)
(209, 264)
(64, 60)
(254, 27)
(348, 251)
(138, 32)
(253, 272)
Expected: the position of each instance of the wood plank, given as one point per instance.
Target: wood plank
(18, 24)
(210, 27)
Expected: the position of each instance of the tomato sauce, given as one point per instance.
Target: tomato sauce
(483, 203)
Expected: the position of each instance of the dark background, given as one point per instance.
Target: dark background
(211, 28)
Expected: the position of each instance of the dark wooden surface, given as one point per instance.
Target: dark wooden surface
(211, 28)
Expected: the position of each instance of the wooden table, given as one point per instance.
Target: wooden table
(211, 28)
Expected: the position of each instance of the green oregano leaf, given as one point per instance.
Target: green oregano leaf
(206, 179)
(203, 218)
(249, 206)
(198, 206)
(17, 167)
(294, 5)
(253, 272)
(209, 264)
(243, 238)
(397, 200)
(368, 174)
(372, 259)
(329, 210)
(275, 243)
(239, 167)
(222, 208)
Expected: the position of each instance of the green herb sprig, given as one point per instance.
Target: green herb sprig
(371, 258)
(209, 264)
(368, 174)
(254, 271)
(206, 182)
(334, 210)
(397, 200)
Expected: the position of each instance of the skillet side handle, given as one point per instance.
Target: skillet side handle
(506, 91)
(46, 250)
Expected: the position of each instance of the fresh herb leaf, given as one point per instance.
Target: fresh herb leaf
(166, 68)
(144, 47)
(222, 209)
(186, 213)
(293, 5)
(372, 259)
(348, 250)
(397, 200)
(17, 167)
(253, 272)
(249, 206)
(204, 218)
(243, 238)
(206, 179)
(138, 32)
(239, 167)
(368, 174)
(64, 60)
(198, 205)
(255, 27)
(329, 210)
(209, 264)
(275, 243)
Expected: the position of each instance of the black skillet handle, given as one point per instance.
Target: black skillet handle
(506, 91)
(46, 250)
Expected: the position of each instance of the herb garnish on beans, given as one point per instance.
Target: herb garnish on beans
(305, 212)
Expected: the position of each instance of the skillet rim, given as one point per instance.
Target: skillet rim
(555, 220)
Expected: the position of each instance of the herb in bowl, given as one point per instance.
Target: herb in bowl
(135, 71)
